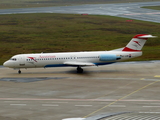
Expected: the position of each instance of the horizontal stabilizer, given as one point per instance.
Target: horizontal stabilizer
(147, 36)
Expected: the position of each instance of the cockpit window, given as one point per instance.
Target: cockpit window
(14, 59)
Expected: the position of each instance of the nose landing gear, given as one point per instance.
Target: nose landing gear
(19, 71)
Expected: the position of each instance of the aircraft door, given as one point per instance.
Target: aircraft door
(21, 61)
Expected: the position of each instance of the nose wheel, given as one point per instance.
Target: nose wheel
(19, 71)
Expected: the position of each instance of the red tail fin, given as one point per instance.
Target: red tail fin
(137, 43)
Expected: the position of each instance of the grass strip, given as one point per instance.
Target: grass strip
(48, 32)
(152, 7)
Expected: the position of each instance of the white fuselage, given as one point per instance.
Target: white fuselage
(74, 58)
(79, 59)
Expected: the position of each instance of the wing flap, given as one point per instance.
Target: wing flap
(79, 63)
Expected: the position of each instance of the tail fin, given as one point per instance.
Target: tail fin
(137, 43)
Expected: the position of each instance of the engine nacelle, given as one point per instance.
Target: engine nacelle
(109, 57)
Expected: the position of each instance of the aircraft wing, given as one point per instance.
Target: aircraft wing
(74, 63)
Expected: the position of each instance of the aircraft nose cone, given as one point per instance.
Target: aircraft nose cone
(7, 64)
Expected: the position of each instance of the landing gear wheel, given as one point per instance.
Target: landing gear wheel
(79, 70)
(19, 71)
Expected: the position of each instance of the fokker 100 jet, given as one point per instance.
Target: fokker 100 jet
(79, 59)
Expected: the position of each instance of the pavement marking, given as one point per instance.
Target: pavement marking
(157, 76)
(122, 98)
(74, 119)
(83, 100)
(58, 102)
(117, 106)
(150, 112)
(49, 105)
(101, 78)
(83, 105)
(151, 106)
(19, 104)
(142, 79)
(11, 101)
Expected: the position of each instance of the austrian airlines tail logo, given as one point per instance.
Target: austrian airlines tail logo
(32, 58)
(137, 43)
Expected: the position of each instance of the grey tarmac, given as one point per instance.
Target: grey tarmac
(60, 93)
(126, 10)
(130, 88)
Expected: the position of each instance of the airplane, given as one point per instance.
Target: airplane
(79, 59)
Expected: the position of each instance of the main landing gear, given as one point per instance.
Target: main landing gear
(79, 69)
(19, 71)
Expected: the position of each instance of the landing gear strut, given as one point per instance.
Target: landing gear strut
(79, 69)
(19, 71)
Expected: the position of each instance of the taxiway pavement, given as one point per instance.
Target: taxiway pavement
(60, 93)
(126, 10)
